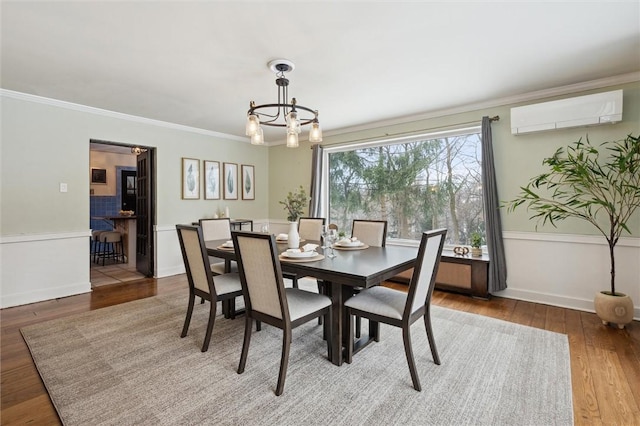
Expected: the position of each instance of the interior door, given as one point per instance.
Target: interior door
(145, 212)
(128, 190)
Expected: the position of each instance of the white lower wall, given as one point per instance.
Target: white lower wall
(560, 270)
(568, 270)
(43, 267)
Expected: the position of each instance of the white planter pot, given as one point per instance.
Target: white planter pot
(294, 238)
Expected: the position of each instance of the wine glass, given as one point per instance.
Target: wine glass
(265, 228)
(332, 236)
(324, 234)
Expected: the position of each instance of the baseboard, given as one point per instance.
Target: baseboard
(25, 298)
(554, 300)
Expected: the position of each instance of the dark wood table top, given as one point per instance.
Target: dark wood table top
(357, 268)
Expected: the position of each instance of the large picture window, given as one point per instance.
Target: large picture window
(417, 184)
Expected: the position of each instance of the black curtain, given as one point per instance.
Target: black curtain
(316, 181)
(493, 224)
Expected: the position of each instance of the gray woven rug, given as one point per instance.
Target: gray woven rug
(126, 364)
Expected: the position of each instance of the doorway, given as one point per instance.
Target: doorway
(133, 189)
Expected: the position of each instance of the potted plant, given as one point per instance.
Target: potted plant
(294, 204)
(602, 191)
(476, 242)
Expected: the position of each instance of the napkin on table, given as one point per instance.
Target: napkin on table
(308, 247)
(282, 237)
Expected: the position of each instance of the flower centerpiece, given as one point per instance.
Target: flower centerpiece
(295, 204)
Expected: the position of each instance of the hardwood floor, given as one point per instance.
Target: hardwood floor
(605, 362)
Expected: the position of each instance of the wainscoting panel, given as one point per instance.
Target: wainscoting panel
(568, 270)
(43, 267)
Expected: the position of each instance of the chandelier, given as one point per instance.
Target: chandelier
(289, 115)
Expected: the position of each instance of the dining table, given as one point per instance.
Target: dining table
(342, 274)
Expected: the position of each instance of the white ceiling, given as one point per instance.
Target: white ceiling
(200, 63)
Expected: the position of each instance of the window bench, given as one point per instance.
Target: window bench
(463, 274)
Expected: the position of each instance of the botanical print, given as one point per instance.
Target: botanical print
(211, 180)
(190, 179)
(248, 182)
(230, 173)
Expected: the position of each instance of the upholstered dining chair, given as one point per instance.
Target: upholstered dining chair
(267, 300)
(373, 233)
(225, 287)
(218, 229)
(309, 228)
(400, 309)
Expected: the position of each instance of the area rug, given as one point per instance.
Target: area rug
(127, 364)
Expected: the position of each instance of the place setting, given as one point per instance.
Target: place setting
(349, 244)
(227, 245)
(284, 238)
(306, 253)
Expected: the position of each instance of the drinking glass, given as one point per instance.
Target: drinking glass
(324, 235)
(332, 236)
(265, 228)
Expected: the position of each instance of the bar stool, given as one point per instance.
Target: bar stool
(112, 247)
(96, 244)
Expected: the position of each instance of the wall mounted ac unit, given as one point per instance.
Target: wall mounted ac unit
(586, 110)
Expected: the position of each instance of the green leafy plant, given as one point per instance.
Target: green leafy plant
(476, 240)
(580, 184)
(342, 234)
(295, 204)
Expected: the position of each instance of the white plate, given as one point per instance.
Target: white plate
(349, 243)
(282, 237)
(296, 253)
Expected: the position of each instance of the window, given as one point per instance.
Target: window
(416, 184)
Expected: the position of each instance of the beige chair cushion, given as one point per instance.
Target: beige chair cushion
(310, 228)
(227, 283)
(370, 233)
(303, 302)
(380, 300)
(218, 267)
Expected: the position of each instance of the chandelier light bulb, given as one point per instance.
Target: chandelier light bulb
(293, 124)
(292, 140)
(253, 124)
(258, 137)
(315, 134)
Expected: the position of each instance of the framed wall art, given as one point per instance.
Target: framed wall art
(211, 180)
(248, 182)
(99, 176)
(230, 176)
(190, 179)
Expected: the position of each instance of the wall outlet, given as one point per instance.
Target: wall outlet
(63, 187)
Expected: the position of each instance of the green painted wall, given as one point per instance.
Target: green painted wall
(44, 145)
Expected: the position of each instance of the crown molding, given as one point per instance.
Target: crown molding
(112, 114)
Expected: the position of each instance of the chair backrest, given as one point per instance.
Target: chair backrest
(425, 270)
(371, 232)
(216, 229)
(310, 228)
(196, 260)
(260, 274)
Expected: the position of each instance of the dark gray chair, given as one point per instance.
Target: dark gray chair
(225, 288)
(267, 300)
(400, 309)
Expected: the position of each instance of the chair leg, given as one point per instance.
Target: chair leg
(294, 280)
(358, 326)
(409, 352)
(212, 320)
(258, 325)
(187, 319)
(374, 330)
(320, 291)
(326, 332)
(349, 325)
(245, 344)
(432, 341)
(284, 360)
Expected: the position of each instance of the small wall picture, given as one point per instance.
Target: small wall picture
(230, 175)
(248, 182)
(190, 179)
(211, 180)
(99, 176)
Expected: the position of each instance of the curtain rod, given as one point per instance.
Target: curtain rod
(393, 135)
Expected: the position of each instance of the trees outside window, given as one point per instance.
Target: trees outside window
(415, 185)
